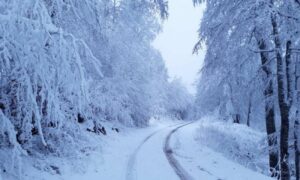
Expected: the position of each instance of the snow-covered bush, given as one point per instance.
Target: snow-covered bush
(10, 150)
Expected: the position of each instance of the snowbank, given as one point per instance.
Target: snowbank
(236, 142)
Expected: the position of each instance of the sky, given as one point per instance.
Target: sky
(177, 40)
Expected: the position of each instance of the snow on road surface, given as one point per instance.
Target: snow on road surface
(170, 152)
(167, 150)
(133, 154)
(149, 161)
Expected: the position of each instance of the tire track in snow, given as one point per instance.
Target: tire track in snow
(179, 170)
(131, 171)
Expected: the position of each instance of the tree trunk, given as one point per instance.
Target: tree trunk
(293, 99)
(249, 114)
(237, 118)
(296, 123)
(249, 110)
(283, 105)
(269, 110)
(297, 149)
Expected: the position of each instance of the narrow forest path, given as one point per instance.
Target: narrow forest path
(166, 150)
(132, 160)
(149, 158)
(172, 153)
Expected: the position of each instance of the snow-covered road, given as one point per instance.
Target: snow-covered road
(149, 158)
(163, 151)
(169, 152)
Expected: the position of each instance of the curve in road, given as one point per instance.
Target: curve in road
(179, 170)
(131, 174)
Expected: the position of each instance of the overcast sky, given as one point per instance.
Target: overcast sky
(177, 40)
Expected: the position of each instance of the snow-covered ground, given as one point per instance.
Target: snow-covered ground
(167, 150)
(202, 162)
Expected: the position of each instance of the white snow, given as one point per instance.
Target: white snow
(137, 154)
(237, 142)
(203, 163)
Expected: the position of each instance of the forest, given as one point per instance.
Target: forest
(78, 76)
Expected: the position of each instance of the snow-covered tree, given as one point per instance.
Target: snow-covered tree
(179, 100)
(250, 47)
(66, 65)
